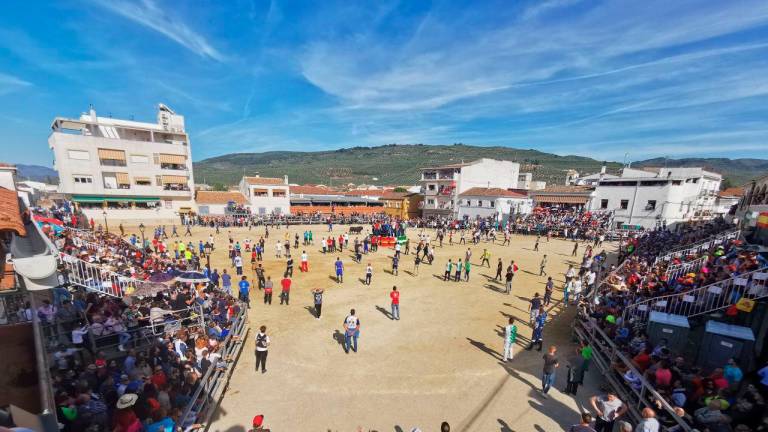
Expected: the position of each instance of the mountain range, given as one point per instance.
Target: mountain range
(399, 164)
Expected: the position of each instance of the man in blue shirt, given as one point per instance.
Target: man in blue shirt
(226, 280)
(244, 291)
(339, 271)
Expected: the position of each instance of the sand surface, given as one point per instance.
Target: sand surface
(441, 361)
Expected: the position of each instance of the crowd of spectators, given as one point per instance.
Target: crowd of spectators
(709, 399)
(563, 222)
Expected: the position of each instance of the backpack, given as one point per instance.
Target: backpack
(261, 340)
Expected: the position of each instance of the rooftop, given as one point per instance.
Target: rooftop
(563, 189)
(216, 197)
(732, 192)
(313, 189)
(10, 214)
(491, 192)
(257, 180)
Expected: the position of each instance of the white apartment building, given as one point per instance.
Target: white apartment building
(653, 197)
(110, 164)
(266, 195)
(493, 202)
(442, 185)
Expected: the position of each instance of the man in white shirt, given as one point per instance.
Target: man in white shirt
(351, 331)
(239, 265)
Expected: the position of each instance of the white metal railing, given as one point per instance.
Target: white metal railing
(95, 278)
(674, 271)
(709, 298)
(606, 355)
(701, 247)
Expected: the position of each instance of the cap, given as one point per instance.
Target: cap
(258, 420)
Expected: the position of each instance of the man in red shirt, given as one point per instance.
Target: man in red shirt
(286, 284)
(395, 296)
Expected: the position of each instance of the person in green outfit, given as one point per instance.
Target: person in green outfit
(448, 268)
(467, 266)
(510, 337)
(585, 351)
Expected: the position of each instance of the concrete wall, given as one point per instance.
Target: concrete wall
(503, 206)
(489, 173)
(269, 204)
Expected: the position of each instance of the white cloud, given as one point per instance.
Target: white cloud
(10, 83)
(150, 15)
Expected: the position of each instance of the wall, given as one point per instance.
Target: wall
(503, 206)
(489, 173)
(268, 204)
(61, 142)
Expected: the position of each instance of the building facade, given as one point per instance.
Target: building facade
(752, 210)
(403, 205)
(442, 185)
(654, 197)
(493, 202)
(266, 195)
(105, 163)
(216, 203)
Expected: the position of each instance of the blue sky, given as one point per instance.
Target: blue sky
(653, 78)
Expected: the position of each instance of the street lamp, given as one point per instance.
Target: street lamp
(141, 230)
(106, 226)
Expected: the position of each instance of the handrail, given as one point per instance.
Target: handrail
(701, 246)
(211, 387)
(705, 299)
(588, 331)
(674, 271)
(95, 278)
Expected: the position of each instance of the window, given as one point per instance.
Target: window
(651, 205)
(493, 203)
(79, 154)
(159, 180)
(140, 159)
(479, 203)
(430, 201)
(168, 204)
(431, 187)
(259, 192)
(604, 204)
(142, 181)
(82, 179)
(624, 204)
(278, 193)
(677, 182)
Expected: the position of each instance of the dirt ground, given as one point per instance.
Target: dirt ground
(440, 362)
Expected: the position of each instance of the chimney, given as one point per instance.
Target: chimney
(92, 113)
(285, 179)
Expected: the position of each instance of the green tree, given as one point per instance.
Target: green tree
(401, 189)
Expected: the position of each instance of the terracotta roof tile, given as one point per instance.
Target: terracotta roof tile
(491, 192)
(7, 279)
(732, 192)
(10, 214)
(215, 197)
(563, 189)
(264, 181)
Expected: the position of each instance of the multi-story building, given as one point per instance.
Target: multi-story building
(403, 205)
(106, 163)
(267, 195)
(493, 202)
(653, 197)
(442, 185)
(752, 211)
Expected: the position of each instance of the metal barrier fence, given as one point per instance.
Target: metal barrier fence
(674, 271)
(95, 278)
(212, 385)
(709, 298)
(700, 247)
(605, 355)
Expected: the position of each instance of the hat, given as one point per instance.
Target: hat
(127, 400)
(100, 363)
(91, 366)
(124, 377)
(258, 420)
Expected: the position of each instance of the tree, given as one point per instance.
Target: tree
(726, 183)
(219, 187)
(400, 189)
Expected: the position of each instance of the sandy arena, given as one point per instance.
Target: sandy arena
(440, 362)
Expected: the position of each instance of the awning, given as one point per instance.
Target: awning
(561, 199)
(122, 178)
(92, 199)
(118, 155)
(141, 179)
(184, 210)
(174, 179)
(173, 159)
